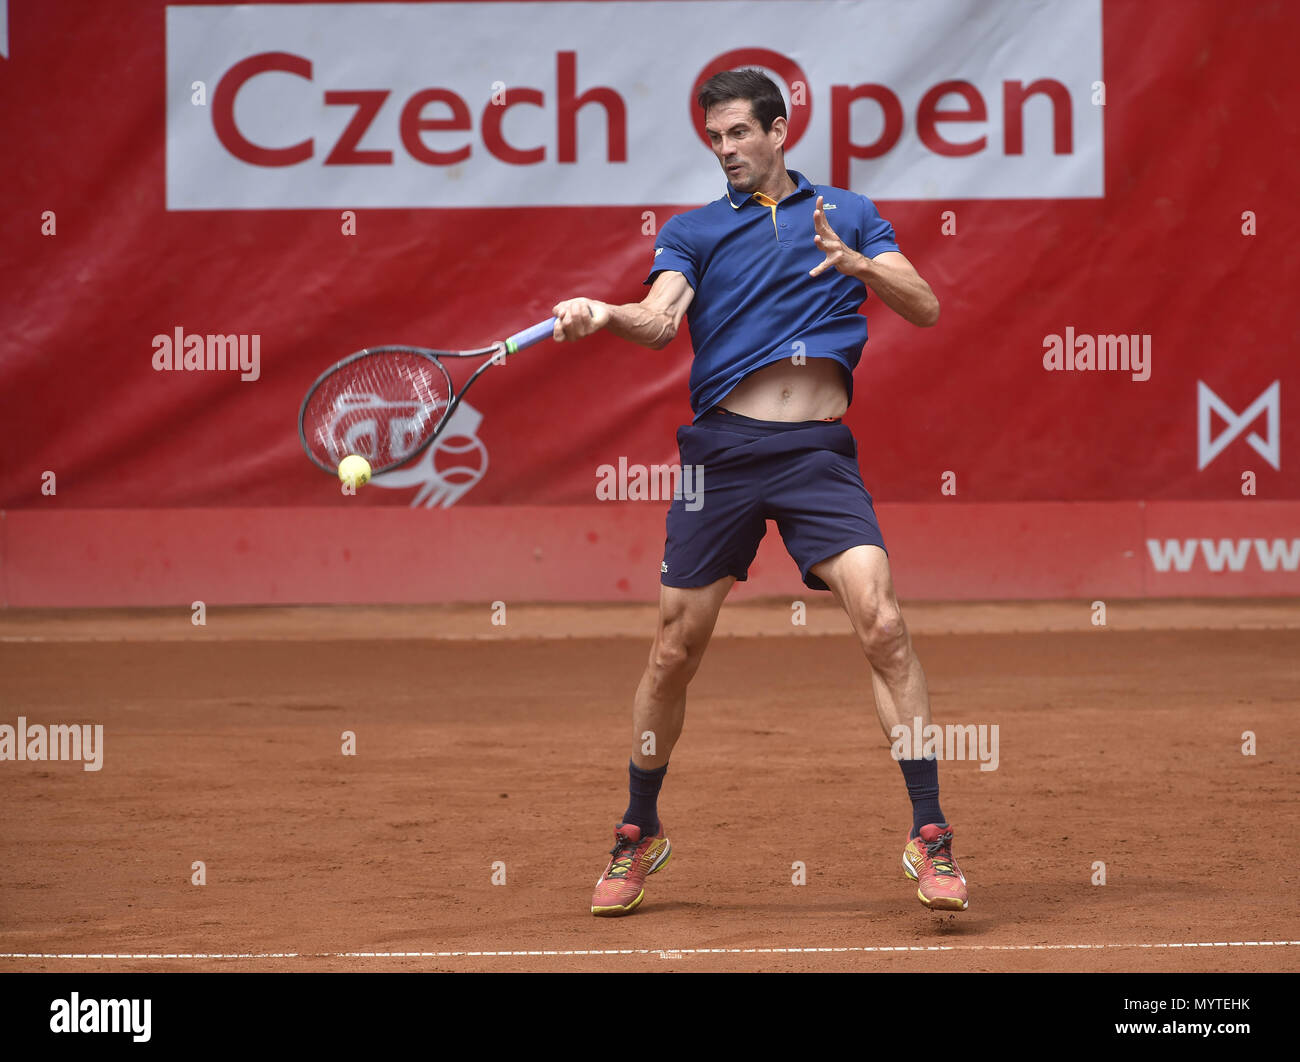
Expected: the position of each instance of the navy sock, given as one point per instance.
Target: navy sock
(922, 777)
(643, 808)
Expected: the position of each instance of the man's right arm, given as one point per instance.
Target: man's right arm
(652, 322)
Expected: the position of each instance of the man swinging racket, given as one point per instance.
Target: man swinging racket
(773, 291)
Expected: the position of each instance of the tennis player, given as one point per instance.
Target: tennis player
(770, 278)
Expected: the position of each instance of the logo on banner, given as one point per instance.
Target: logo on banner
(1208, 403)
(325, 105)
(448, 469)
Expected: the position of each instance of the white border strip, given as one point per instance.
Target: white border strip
(663, 953)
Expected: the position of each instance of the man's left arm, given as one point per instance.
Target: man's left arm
(889, 274)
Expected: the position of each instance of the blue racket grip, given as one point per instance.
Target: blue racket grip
(529, 336)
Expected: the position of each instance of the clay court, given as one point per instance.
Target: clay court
(478, 745)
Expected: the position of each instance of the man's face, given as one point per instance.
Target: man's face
(747, 154)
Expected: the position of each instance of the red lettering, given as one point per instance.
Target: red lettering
(1014, 94)
(928, 116)
(494, 114)
(345, 153)
(569, 104)
(412, 125)
(842, 147)
(223, 109)
(781, 65)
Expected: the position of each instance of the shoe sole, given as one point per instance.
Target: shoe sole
(943, 903)
(626, 909)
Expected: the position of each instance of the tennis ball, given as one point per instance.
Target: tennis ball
(354, 470)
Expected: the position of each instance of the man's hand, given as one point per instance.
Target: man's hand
(838, 253)
(652, 322)
(891, 276)
(576, 318)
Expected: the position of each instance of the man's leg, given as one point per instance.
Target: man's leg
(860, 580)
(686, 621)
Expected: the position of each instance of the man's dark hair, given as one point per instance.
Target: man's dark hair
(752, 85)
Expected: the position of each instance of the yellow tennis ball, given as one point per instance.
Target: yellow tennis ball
(354, 470)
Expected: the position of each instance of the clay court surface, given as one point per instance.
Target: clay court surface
(479, 743)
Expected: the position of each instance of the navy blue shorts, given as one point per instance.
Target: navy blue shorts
(804, 475)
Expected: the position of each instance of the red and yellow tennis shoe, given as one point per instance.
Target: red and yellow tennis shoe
(928, 861)
(621, 888)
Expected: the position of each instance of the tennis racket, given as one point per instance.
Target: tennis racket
(388, 404)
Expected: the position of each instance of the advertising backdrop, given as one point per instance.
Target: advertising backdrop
(206, 204)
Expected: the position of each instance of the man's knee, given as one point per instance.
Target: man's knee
(677, 651)
(884, 635)
(686, 619)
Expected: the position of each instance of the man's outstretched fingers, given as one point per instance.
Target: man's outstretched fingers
(818, 270)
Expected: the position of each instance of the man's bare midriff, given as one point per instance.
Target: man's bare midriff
(786, 391)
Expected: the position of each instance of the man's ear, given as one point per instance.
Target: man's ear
(780, 128)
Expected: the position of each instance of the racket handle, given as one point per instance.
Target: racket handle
(529, 336)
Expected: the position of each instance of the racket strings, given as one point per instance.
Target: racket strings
(381, 405)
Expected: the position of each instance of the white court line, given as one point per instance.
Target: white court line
(661, 952)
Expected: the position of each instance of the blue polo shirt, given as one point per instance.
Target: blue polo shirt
(747, 261)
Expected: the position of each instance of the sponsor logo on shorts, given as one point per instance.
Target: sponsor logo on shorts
(951, 742)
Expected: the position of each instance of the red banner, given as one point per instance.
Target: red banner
(1101, 196)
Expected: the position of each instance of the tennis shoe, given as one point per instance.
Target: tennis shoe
(928, 861)
(621, 888)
